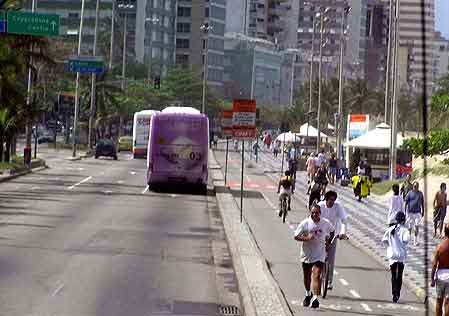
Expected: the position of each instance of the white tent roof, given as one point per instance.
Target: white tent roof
(378, 138)
(288, 137)
(313, 132)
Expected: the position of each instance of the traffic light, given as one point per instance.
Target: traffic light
(157, 82)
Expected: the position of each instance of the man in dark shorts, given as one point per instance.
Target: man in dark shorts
(440, 274)
(439, 210)
(314, 232)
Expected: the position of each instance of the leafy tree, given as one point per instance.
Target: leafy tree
(437, 143)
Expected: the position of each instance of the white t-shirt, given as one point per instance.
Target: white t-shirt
(397, 243)
(320, 159)
(336, 215)
(314, 250)
(395, 206)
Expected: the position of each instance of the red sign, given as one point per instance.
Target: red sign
(226, 123)
(244, 119)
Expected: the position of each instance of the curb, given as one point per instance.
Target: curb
(22, 173)
(259, 293)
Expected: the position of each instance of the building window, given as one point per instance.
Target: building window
(182, 43)
(184, 11)
(206, 13)
(183, 27)
(73, 15)
(182, 59)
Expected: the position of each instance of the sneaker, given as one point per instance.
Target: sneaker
(395, 299)
(280, 213)
(306, 301)
(330, 287)
(289, 208)
(315, 303)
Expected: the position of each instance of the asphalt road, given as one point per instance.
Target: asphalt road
(86, 238)
(361, 285)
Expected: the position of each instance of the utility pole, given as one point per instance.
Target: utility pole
(124, 49)
(77, 84)
(394, 108)
(339, 119)
(320, 65)
(151, 20)
(28, 126)
(93, 90)
(292, 79)
(205, 28)
(389, 55)
(253, 70)
(111, 52)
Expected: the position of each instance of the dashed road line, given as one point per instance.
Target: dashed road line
(366, 307)
(81, 182)
(146, 189)
(355, 294)
(344, 282)
(58, 289)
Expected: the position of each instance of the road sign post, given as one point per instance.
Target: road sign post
(85, 64)
(29, 23)
(243, 128)
(226, 126)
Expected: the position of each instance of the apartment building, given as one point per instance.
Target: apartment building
(441, 61)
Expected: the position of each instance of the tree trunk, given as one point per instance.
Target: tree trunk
(8, 149)
(1, 147)
(120, 127)
(13, 145)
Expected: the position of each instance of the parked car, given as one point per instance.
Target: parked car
(105, 148)
(45, 137)
(125, 143)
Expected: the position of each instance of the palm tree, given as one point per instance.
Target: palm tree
(361, 99)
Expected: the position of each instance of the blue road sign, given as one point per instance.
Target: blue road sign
(84, 65)
(2, 26)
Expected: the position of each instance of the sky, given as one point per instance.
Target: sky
(441, 14)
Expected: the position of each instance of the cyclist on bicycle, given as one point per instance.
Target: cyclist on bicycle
(336, 215)
(285, 190)
(314, 232)
(321, 176)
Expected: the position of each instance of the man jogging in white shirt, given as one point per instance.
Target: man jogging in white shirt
(314, 232)
(336, 215)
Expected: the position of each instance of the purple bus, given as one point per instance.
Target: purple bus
(178, 147)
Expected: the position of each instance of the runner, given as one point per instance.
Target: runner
(439, 210)
(440, 274)
(285, 189)
(311, 169)
(406, 186)
(396, 238)
(321, 177)
(315, 193)
(336, 215)
(395, 205)
(313, 232)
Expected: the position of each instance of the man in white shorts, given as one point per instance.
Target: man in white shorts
(414, 209)
(440, 274)
(314, 232)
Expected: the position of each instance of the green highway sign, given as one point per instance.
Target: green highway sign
(85, 64)
(28, 23)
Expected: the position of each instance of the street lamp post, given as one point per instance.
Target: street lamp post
(77, 83)
(323, 19)
(389, 56)
(124, 49)
(152, 21)
(111, 52)
(93, 96)
(205, 28)
(344, 15)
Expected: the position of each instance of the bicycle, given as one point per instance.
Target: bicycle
(325, 272)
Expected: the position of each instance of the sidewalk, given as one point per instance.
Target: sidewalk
(275, 243)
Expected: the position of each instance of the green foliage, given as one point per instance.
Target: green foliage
(437, 143)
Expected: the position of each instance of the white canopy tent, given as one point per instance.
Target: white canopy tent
(378, 138)
(313, 132)
(288, 137)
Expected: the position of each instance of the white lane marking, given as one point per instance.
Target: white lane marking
(81, 182)
(366, 307)
(121, 181)
(355, 294)
(132, 173)
(107, 192)
(269, 202)
(344, 282)
(399, 307)
(58, 290)
(35, 188)
(173, 195)
(146, 189)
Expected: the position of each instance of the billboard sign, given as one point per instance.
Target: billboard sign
(226, 123)
(358, 124)
(244, 119)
